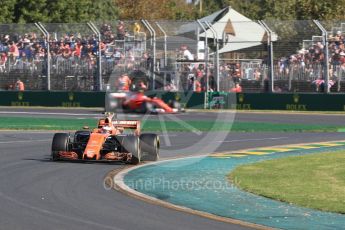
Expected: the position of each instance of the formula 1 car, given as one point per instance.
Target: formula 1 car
(112, 140)
(138, 102)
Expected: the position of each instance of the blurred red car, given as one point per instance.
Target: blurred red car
(138, 102)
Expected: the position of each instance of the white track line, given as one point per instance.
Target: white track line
(26, 141)
(258, 139)
(48, 113)
(95, 115)
(10, 131)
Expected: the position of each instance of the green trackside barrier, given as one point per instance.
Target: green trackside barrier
(88, 99)
(276, 101)
(213, 100)
(52, 99)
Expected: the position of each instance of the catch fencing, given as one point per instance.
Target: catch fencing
(203, 55)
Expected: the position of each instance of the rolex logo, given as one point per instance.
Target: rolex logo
(20, 96)
(241, 98)
(71, 96)
(296, 98)
(177, 97)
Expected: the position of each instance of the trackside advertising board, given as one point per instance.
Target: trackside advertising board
(214, 100)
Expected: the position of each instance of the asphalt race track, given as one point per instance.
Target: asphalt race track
(36, 193)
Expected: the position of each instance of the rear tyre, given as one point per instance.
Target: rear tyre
(147, 107)
(177, 105)
(60, 143)
(111, 104)
(131, 145)
(149, 144)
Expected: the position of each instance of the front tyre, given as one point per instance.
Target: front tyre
(60, 143)
(131, 145)
(149, 144)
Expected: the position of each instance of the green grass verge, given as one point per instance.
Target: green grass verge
(314, 181)
(155, 125)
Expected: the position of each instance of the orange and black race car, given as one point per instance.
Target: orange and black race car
(112, 140)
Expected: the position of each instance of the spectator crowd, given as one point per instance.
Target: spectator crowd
(309, 62)
(70, 53)
(75, 53)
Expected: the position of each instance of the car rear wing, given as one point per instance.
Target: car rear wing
(127, 124)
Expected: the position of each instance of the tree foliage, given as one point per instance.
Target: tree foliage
(82, 10)
(27, 11)
(324, 10)
(290, 9)
(155, 9)
(7, 9)
(210, 6)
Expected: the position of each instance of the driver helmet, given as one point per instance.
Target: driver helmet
(106, 129)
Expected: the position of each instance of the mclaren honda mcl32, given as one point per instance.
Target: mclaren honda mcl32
(112, 140)
(138, 102)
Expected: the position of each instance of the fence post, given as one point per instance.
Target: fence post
(215, 35)
(206, 53)
(165, 45)
(99, 66)
(148, 28)
(325, 43)
(270, 51)
(153, 33)
(165, 53)
(46, 33)
(154, 55)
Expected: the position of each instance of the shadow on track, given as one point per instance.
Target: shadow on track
(48, 160)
